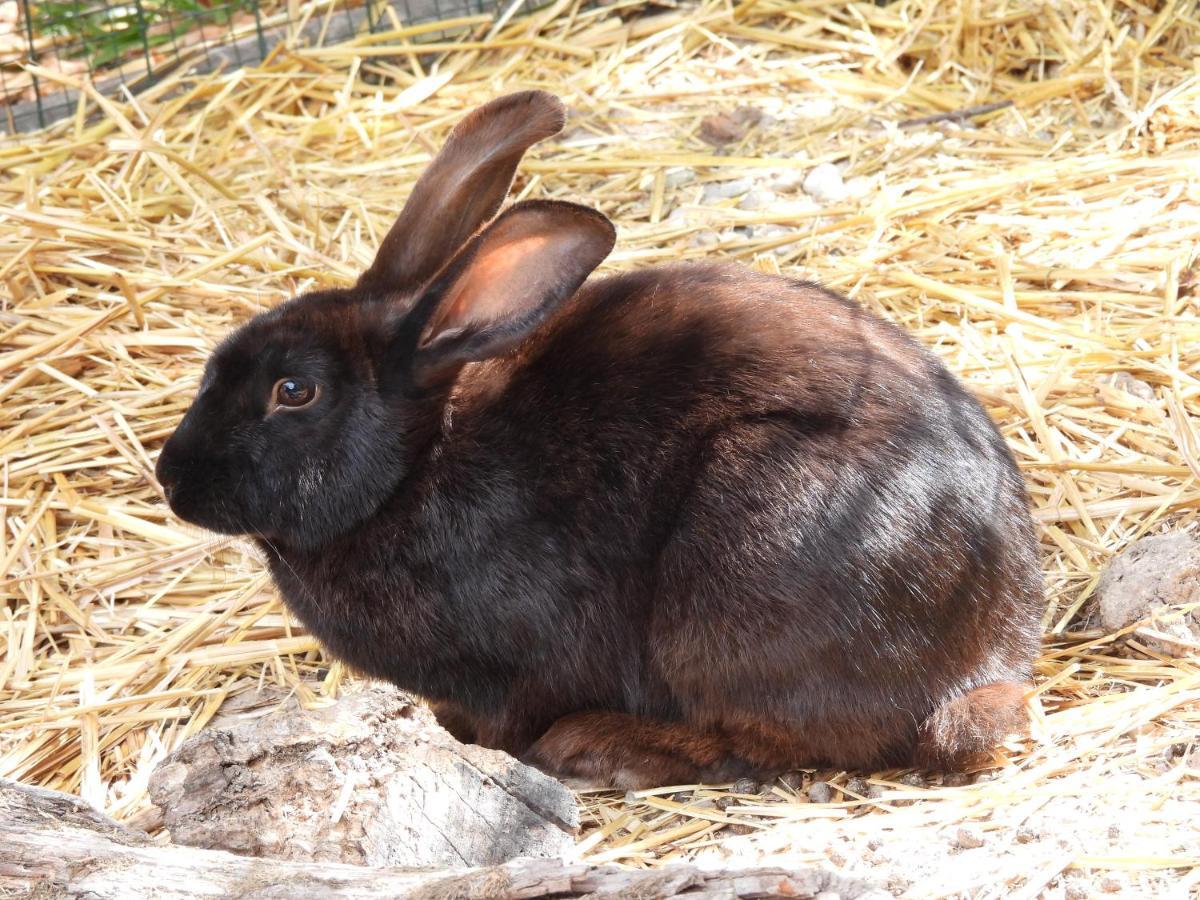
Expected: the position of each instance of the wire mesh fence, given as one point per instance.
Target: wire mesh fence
(126, 45)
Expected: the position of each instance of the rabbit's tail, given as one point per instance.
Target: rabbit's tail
(975, 723)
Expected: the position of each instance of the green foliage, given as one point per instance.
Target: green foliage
(111, 31)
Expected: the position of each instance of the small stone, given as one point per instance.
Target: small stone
(820, 792)
(874, 843)
(725, 190)
(793, 781)
(824, 184)
(682, 797)
(814, 108)
(1111, 884)
(1027, 835)
(751, 115)
(723, 803)
(705, 238)
(857, 787)
(860, 186)
(787, 181)
(1114, 832)
(1125, 382)
(770, 230)
(1150, 578)
(757, 199)
(1076, 889)
(969, 837)
(911, 780)
(956, 779)
(898, 884)
(721, 129)
(874, 791)
(836, 857)
(745, 786)
(740, 829)
(677, 176)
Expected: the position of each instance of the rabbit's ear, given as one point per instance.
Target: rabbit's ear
(504, 283)
(463, 187)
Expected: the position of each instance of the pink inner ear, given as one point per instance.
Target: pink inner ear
(507, 280)
(498, 282)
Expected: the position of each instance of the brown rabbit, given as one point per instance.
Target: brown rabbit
(683, 524)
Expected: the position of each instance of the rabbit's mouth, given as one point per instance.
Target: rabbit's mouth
(199, 495)
(199, 509)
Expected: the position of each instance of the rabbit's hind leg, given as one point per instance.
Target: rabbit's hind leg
(967, 727)
(626, 752)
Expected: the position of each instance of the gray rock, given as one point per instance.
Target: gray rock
(372, 780)
(745, 786)
(793, 781)
(1147, 582)
(757, 199)
(1135, 386)
(785, 181)
(820, 792)
(677, 216)
(1027, 835)
(824, 184)
(726, 190)
(969, 837)
(677, 176)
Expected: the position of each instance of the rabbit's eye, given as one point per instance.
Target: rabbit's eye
(294, 393)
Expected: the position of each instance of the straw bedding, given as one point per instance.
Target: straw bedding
(1041, 248)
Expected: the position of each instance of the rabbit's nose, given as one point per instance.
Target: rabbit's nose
(166, 470)
(166, 478)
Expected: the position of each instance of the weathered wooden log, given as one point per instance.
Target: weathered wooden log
(372, 780)
(53, 845)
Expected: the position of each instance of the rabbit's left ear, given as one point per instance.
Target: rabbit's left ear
(462, 188)
(503, 284)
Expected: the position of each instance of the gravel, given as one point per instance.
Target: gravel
(824, 184)
(820, 792)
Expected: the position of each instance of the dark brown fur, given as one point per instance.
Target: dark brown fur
(685, 523)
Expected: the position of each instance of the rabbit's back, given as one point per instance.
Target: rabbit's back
(632, 382)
